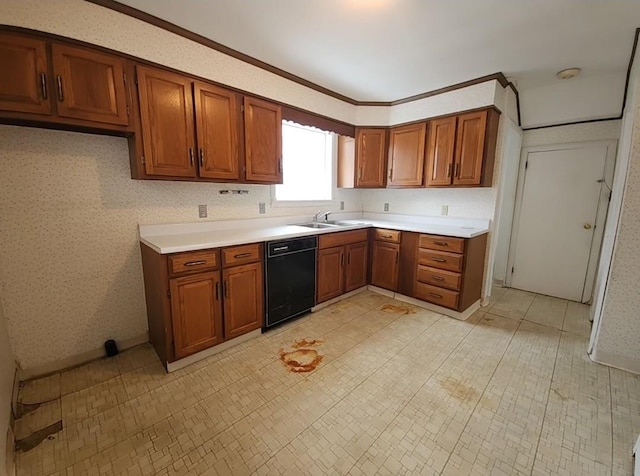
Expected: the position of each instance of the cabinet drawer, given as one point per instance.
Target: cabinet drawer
(243, 254)
(443, 243)
(440, 296)
(193, 261)
(392, 236)
(440, 259)
(331, 240)
(439, 277)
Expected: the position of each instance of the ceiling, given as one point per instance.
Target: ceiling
(384, 50)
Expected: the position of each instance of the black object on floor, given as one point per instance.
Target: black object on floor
(111, 348)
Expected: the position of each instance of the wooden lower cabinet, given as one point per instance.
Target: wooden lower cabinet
(196, 311)
(356, 266)
(330, 274)
(243, 299)
(193, 304)
(385, 258)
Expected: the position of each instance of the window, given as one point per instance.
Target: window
(307, 164)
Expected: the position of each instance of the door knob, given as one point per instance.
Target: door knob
(587, 226)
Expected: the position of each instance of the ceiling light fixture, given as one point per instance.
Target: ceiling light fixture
(568, 73)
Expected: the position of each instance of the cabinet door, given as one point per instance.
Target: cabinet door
(356, 268)
(263, 141)
(90, 85)
(384, 265)
(442, 133)
(406, 155)
(166, 113)
(216, 126)
(370, 157)
(470, 148)
(23, 75)
(330, 278)
(196, 312)
(243, 299)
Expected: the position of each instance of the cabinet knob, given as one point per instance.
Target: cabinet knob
(587, 226)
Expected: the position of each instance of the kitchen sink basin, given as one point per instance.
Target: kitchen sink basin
(343, 223)
(318, 225)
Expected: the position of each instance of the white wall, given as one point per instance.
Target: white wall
(615, 339)
(579, 99)
(7, 372)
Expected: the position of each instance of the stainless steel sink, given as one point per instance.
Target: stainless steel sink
(342, 223)
(318, 225)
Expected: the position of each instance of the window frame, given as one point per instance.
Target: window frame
(275, 203)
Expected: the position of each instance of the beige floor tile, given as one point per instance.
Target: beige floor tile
(399, 390)
(40, 390)
(513, 304)
(577, 319)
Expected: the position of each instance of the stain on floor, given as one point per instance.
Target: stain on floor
(301, 360)
(458, 389)
(393, 308)
(307, 343)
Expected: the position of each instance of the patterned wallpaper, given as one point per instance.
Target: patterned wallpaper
(70, 269)
(618, 340)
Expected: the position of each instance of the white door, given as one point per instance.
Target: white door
(554, 229)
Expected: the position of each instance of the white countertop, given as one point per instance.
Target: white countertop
(175, 238)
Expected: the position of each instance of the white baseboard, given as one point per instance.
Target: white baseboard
(79, 359)
(192, 359)
(462, 316)
(612, 360)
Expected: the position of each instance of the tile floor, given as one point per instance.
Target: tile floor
(398, 390)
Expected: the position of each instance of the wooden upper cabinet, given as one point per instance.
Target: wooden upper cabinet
(243, 299)
(440, 148)
(370, 157)
(406, 155)
(166, 114)
(24, 78)
(346, 162)
(196, 312)
(217, 132)
(469, 155)
(263, 141)
(89, 85)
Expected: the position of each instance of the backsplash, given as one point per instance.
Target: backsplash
(70, 269)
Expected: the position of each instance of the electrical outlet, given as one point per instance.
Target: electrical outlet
(444, 211)
(386, 207)
(261, 208)
(202, 211)
(341, 205)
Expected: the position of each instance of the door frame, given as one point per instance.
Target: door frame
(601, 212)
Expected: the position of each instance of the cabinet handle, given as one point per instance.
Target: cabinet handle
(435, 295)
(201, 157)
(341, 259)
(437, 278)
(441, 243)
(457, 173)
(349, 257)
(225, 289)
(386, 236)
(217, 290)
(195, 263)
(439, 260)
(43, 85)
(280, 165)
(242, 255)
(281, 248)
(191, 155)
(449, 167)
(397, 255)
(60, 91)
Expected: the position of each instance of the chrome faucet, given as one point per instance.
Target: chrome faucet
(317, 215)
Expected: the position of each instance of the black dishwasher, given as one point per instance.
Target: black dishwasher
(290, 278)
